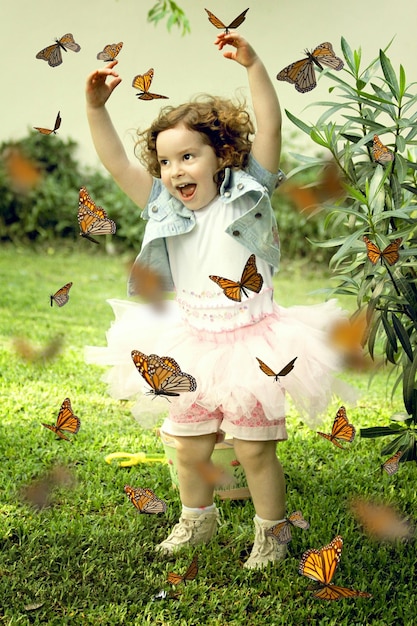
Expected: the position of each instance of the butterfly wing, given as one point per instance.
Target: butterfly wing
(145, 500)
(57, 121)
(51, 54)
(341, 428)
(219, 24)
(49, 131)
(297, 519)
(288, 368)
(143, 83)
(110, 52)
(381, 153)
(92, 219)
(61, 297)
(215, 20)
(67, 42)
(391, 465)
(334, 592)
(192, 570)
(324, 53)
(163, 374)
(177, 383)
(300, 74)
(231, 289)
(66, 419)
(266, 369)
(372, 251)
(251, 279)
(320, 565)
(390, 254)
(281, 532)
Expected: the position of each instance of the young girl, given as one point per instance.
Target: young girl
(206, 192)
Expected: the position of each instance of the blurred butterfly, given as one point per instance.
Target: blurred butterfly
(145, 282)
(308, 198)
(38, 492)
(61, 296)
(320, 565)
(110, 52)
(341, 429)
(392, 464)
(143, 83)
(250, 280)
(381, 153)
(380, 521)
(92, 219)
(32, 354)
(389, 254)
(48, 131)
(349, 336)
(163, 374)
(213, 475)
(285, 370)
(219, 24)
(145, 501)
(282, 531)
(24, 174)
(66, 420)
(301, 73)
(52, 54)
(190, 574)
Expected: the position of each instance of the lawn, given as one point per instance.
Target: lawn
(89, 558)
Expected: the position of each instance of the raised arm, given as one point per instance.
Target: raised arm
(131, 177)
(267, 142)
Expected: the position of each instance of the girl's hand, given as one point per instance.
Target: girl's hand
(98, 91)
(243, 53)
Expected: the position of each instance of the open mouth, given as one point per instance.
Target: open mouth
(187, 191)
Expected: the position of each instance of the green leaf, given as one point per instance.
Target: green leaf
(347, 53)
(378, 431)
(389, 74)
(402, 336)
(299, 123)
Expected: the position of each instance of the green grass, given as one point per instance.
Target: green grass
(89, 558)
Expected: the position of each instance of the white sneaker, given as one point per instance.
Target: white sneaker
(265, 549)
(191, 530)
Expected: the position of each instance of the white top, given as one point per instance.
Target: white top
(208, 249)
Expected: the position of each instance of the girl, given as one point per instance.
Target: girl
(205, 190)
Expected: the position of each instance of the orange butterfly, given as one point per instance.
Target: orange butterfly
(219, 24)
(301, 73)
(61, 296)
(392, 464)
(381, 153)
(250, 280)
(349, 336)
(52, 54)
(285, 370)
(24, 173)
(33, 354)
(163, 374)
(48, 131)
(320, 565)
(380, 520)
(329, 187)
(143, 82)
(145, 501)
(213, 475)
(92, 219)
(341, 429)
(282, 531)
(147, 283)
(110, 52)
(66, 420)
(190, 574)
(389, 254)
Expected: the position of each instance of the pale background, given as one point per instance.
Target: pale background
(32, 92)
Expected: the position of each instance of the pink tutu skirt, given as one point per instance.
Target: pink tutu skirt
(224, 363)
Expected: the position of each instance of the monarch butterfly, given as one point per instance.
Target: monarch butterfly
(285, 370)
(389, 254)
(328, 188)
(301, 73)
(52, 54)
(110, 52)
(61, 296)
(320, 565)
(250, 280)
(66, 420)
(341, 429)
(163, 374)
(381, 153)
(33, 354)
(392, 464)
(282, 531)
(190, 574)
(145, 501)
(143, 82)
(219, 24)
(145, 282)
(24, 173)
(48, 131)
(380, 520)
(92, 219)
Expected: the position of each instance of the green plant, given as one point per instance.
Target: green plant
(170, 9)
(381, 204)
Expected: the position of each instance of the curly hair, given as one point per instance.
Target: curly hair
(223, 125)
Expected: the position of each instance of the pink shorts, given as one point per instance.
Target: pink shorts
(199, 421)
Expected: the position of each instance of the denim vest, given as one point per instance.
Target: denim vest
(256, 228)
